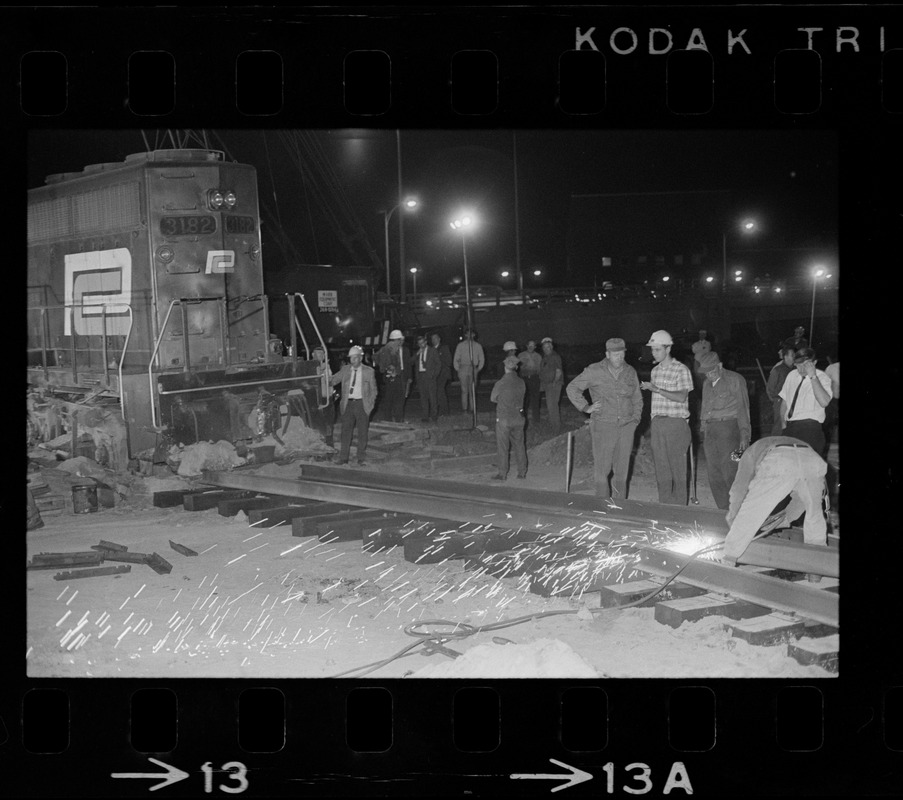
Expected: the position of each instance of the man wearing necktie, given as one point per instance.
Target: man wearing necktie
(805, 394)
(426, 369)
(358, 398)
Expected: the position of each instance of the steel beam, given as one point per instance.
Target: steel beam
(629, 512)
(781, 554)
(392, 500)
(802, 598)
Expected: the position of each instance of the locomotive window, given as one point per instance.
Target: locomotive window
(187, 225)
(236, 224)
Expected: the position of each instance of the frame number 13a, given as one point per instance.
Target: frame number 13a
(236, 772)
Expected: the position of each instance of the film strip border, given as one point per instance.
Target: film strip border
(465, 66)
(482, 739)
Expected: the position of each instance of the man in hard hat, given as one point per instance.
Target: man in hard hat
(551, 379)
(530, 365)
(394, 363)
(670, 385)
(508, 395)
(615, 409)
(804, 396)
(426, 371)
(358, 398)
(723, 423)
(798, 339)
(468, 361)
(769, 470)
(510, 349)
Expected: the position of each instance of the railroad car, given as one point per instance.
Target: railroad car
(147, 321)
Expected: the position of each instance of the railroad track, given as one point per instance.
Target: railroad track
(560, 545)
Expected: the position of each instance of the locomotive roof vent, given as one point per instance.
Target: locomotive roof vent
(186, 154)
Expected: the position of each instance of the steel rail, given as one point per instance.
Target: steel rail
(802, 598)
(630, 512)
(500, 506)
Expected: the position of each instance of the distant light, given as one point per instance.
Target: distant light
(537, 272)
(411, 202)
(666, 278)
(414, 270)
(429, 303)
(738, 277)
(709, 279)
(749, 225)
(827, 276)
(818, 272)
(505, 274)
(757, 290)
(738, 272)
(777, 289)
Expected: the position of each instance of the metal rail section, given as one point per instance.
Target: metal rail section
(538, 511)
(801, 598)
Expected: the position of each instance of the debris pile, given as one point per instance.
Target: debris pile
(195, 458)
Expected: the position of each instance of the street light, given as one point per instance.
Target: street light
(414, 272)
(747, 226)
(462, 224)
(816, 274)
(408, 204)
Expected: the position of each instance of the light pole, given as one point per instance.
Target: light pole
(816, 274)
(747, 226)
(462, 224)
(409, 204)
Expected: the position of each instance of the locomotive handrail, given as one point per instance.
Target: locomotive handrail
(125, 344)
(327, 401)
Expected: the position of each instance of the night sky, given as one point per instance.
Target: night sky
(664, 193)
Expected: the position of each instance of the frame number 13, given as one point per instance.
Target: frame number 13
(237, 772)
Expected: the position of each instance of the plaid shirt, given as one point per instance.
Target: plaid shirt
(673, 377)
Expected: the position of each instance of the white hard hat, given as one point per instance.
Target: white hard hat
(547, 339)
(356, 351)
(660, 338)
(509, 346)
(396, 334)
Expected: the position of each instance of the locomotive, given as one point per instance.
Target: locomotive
(147, 321)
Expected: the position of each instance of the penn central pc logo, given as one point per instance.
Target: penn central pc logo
(220, 262)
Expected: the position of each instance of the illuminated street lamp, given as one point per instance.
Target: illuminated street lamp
(747, 226)
(463, 224)
(817, 273)
(414, 272)
(408, 204)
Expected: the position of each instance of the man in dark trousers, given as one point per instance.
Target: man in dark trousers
(358, 398)
(805, 395)
(530, 365)
(394, 363)
(723, 423)
(615, 409)
(508, 395)
(670, 384)
(445, 372)
(771, 469)
(426, 371)
(776, 378)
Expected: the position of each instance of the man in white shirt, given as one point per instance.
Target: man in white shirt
(805, 394)
(468, 361)
(358, 398)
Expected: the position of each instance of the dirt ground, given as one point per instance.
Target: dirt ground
(256, 602)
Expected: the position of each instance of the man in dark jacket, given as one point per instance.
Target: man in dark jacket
(394, 363)
(508, 395)
(426, 372)
(723, 423)
(776, 378)
(615, 410)
(445, 372)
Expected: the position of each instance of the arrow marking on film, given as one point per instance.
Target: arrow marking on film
(576, 776)
(172, 775)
